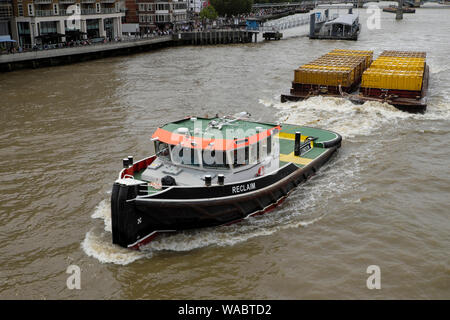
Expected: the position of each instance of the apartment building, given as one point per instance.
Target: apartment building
(195, 6)
(53, 21)
(6, 17)
(131, 12)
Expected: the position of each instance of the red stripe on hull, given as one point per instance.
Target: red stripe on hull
(257, 213)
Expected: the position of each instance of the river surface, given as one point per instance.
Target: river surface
(383, 200)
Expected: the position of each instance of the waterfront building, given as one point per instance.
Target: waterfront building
(195, 6)
(131, 12)
(6, 17)
(45, 22)
(156, 14)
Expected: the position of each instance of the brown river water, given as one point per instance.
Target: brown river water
(383, 200)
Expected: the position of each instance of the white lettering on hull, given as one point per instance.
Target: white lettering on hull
(243, 187)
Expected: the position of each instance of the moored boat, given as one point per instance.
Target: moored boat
(393, 9)
(213, 171)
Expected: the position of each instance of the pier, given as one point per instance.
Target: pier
(54, 57)
(212, 37)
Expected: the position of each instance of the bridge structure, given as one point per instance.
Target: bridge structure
(284, 23)
(292, 21)
(315, 3)
(309, 3)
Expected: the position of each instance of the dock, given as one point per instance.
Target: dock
(216, 36)
(61, 56)
(54, 57)
(343, 27)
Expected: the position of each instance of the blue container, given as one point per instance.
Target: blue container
(252, 25)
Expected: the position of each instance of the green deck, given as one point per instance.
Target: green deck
(287, 142)
(237, 129)
(322, 135)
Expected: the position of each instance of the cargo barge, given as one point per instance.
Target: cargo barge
(209, 172)
(399, 78)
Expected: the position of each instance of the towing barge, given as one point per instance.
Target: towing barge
(399, 78)
(211, 172)
(394, 9)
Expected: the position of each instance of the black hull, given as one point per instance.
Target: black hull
(135, 221)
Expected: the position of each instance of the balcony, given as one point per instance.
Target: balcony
(66, 1)
(107, 1)
(94, 11)
(6, 11)
(44, 13)
(108, 10)
(89, 11)
(43, 2)
(87, 1)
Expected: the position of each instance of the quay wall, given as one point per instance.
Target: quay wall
(55, 57)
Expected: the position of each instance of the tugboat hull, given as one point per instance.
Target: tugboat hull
(137, 220)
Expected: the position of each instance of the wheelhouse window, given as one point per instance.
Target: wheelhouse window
(269, 145)
(186, 156)
(240, 157)
(214, 159)
(254, 153)
(162, 150)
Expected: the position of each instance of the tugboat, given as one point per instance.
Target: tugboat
(213, 171)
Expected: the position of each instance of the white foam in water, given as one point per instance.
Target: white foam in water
(349, 119)
(99, 246)
(103, 211)
(340, 115)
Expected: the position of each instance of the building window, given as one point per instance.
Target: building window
(30, 9)
(47, 27)
(55, 9)
(23, 28)
(20, 9)
(162, 18)
(179, 6)
(162, 6)
(98, 7)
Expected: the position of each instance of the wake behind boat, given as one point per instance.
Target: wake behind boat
(210, 172)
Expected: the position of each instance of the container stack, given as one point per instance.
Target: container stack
(338, 67)
(395, 72)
